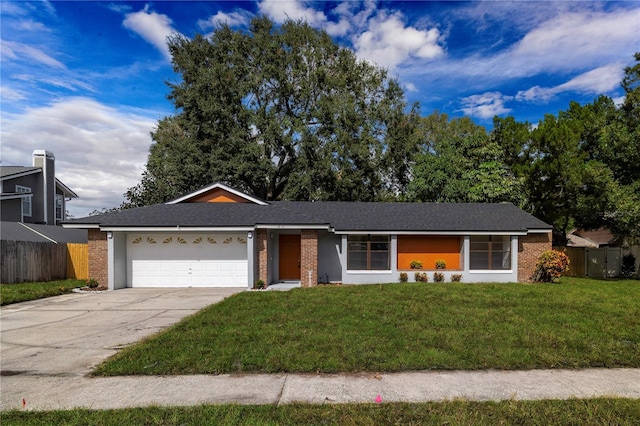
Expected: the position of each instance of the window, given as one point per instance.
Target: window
(26, 201)
(490, 252)
(59, 207)
(368, 252)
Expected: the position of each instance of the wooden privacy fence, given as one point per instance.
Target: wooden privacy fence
(78, 261)
(576, 257)
(26, 261)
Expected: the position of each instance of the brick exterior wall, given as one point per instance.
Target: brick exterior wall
(309, 258)
(530, 247)
(98, 256)
(261, 272)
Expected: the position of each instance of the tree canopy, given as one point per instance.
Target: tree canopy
(280, 112)
(284, 113)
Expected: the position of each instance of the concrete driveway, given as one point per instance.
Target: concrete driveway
(68, 335)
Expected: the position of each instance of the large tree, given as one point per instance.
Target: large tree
(282, 113)
(582, 167)
(458, 162)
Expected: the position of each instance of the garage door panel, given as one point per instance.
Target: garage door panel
(188, 260)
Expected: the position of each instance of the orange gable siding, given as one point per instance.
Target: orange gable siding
(428, 249)
(218, 195)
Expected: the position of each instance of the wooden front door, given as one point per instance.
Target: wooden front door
(289, 257)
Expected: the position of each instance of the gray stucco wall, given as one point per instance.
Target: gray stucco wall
(329, 257)
(118, 269)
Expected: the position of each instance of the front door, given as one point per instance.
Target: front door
(289, 257)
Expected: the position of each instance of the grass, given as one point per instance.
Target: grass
(22, 292)
(397, 327)
(601, 411)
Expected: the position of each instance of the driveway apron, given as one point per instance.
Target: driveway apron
(68, 335)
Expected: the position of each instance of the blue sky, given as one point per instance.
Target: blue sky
(86, 79)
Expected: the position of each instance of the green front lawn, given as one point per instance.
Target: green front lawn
(397, 327)
(601, 411)
(14, 293)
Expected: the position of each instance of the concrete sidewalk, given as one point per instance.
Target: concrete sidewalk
(48, 346)
(53, 392)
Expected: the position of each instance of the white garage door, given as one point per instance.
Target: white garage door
(187, 260)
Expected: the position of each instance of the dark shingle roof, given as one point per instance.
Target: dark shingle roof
(353, 216)
(7, 171)
(16, 231)
(342, 216)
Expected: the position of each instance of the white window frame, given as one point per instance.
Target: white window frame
(27, 207)
(60, 205)
(369, 251)
(489, 252)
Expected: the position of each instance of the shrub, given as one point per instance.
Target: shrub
(551, 264)
(438, 277)
(456, 278)
(404, 277)
(441, 264)
(260, 285)
(415, 264)
(421, 277)
(628, 269)
(92, 283)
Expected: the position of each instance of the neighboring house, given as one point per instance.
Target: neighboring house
(219, 236)
(33, 194)
(596, 238)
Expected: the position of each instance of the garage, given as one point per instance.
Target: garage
(187, 260)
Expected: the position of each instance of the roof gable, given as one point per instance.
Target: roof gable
(217, 193)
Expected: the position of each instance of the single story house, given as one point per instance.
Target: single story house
(219, 236)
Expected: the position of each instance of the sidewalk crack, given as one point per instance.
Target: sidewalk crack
(284, 383)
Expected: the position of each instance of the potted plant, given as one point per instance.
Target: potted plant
(415, 264)
(440, 264)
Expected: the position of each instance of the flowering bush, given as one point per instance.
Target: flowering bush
(421, 277)
(438, 277)
(551, 264)
(404, 277)
(441, 264)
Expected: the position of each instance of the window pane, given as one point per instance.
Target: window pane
(479, 246)
(478, 260)
(383, 246)
(380, 260)
(368, 252)
(357, 261)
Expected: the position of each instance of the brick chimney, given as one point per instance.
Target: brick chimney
(47, 162)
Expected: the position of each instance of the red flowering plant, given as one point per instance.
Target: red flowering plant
(551, 265)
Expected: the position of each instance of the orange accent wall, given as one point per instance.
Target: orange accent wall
(428, 249)
(218, 195)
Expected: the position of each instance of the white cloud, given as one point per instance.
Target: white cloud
(485, 105)
(570, 41)
(410, 87)
(152, 27)
(100, 151)
(9, 94)
(19, 51)
(598, 81)
(388, 42)
(280, 11)
(237, 18)
(67, 82)
(30, 25)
